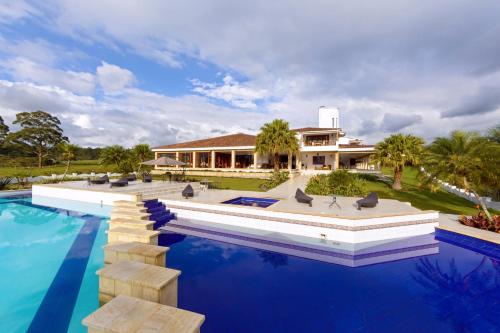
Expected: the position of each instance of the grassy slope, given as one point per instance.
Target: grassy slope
(422, 198)
(84, 166)
(241, 184)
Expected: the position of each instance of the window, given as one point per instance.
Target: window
(319, 160)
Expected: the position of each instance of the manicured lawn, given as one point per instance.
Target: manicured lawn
(240, 184)
(84, 166)
(422, 198)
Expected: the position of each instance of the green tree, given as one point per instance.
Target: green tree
(141, 153)
(40, 133)
(4, 130)
(114, 154)
(275, 138)
(466, 160)
(494, 134)
(68, 153)
(397, 151)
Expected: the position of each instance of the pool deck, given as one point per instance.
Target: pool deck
(450, 223)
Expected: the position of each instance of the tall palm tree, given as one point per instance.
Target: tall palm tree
(68, 153)
(142, 152)
(114, 155)
(275, 138)
(466, 160)
(397, 151)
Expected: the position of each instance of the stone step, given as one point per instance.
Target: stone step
(134, 251)
(129, 209)
(125, 203)
(132, 278)
(131, 223)
(130, 314)
(130, 215)
(123, 234)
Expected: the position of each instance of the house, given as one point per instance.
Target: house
(322, 148)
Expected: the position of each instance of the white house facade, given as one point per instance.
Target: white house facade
(322, 148)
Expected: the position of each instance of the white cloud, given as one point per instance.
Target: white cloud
(22, 69)
(113, 79)
(231, 91)
(12, 10)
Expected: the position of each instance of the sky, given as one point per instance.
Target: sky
(158, 72)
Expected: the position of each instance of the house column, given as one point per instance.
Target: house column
(298, 162)
(212, 162)
(337, 157)
(194, 159)
(177, 157)
(233, 159)
(289, 162)
(255, 157)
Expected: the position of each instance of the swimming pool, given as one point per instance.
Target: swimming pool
(241, 289)
(253, 202)
(48, 259)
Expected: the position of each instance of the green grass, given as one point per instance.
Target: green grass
(421, 198)
(229, 183)
(83, 166)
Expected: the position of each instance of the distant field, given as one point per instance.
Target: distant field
(83, 166)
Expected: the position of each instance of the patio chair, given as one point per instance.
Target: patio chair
(131, 177)
(370, 201)
(101, 180)
(303, 198)
(147, 178)
(119, 183)
(188, 192)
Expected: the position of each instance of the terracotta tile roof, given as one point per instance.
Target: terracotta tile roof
(312, 129)
(232, 140)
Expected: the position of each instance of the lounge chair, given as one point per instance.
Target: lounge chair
(131, 177)
(188, 192)
(370, 201)
(147, 178)
(119, 183)
(101, 180)
(303, 198)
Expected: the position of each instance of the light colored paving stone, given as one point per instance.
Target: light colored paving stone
(122, 234)
(134, 251)
(128, 314)
(130, 215)
(127, 204)
(131, 278)
(450, 223)
(130, 223)
(131, 209)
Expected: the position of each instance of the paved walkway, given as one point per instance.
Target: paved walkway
(288, 188)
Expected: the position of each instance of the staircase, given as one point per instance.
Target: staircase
(137, 221)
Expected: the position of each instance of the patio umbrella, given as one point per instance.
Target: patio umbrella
(164, 161)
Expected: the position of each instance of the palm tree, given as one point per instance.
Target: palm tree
(142, 152)
(114, 155)
(397, 151)
(68, 153)
(466, 160)
(274, 138)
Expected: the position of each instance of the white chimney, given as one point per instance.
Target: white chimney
(328, 117)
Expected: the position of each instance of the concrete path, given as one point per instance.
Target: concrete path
(288, 188)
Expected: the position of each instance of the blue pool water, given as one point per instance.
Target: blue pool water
(48, 259)
(241, 289)
(248, 201)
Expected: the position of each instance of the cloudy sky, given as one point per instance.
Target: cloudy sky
(157, 72)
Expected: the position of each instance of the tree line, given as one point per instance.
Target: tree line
(40, 141)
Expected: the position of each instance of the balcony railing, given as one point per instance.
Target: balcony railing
(319, 143)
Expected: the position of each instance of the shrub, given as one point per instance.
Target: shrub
(339, 182)
(4, 181)
(481, 222)
(276, 179)
(319, 185)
